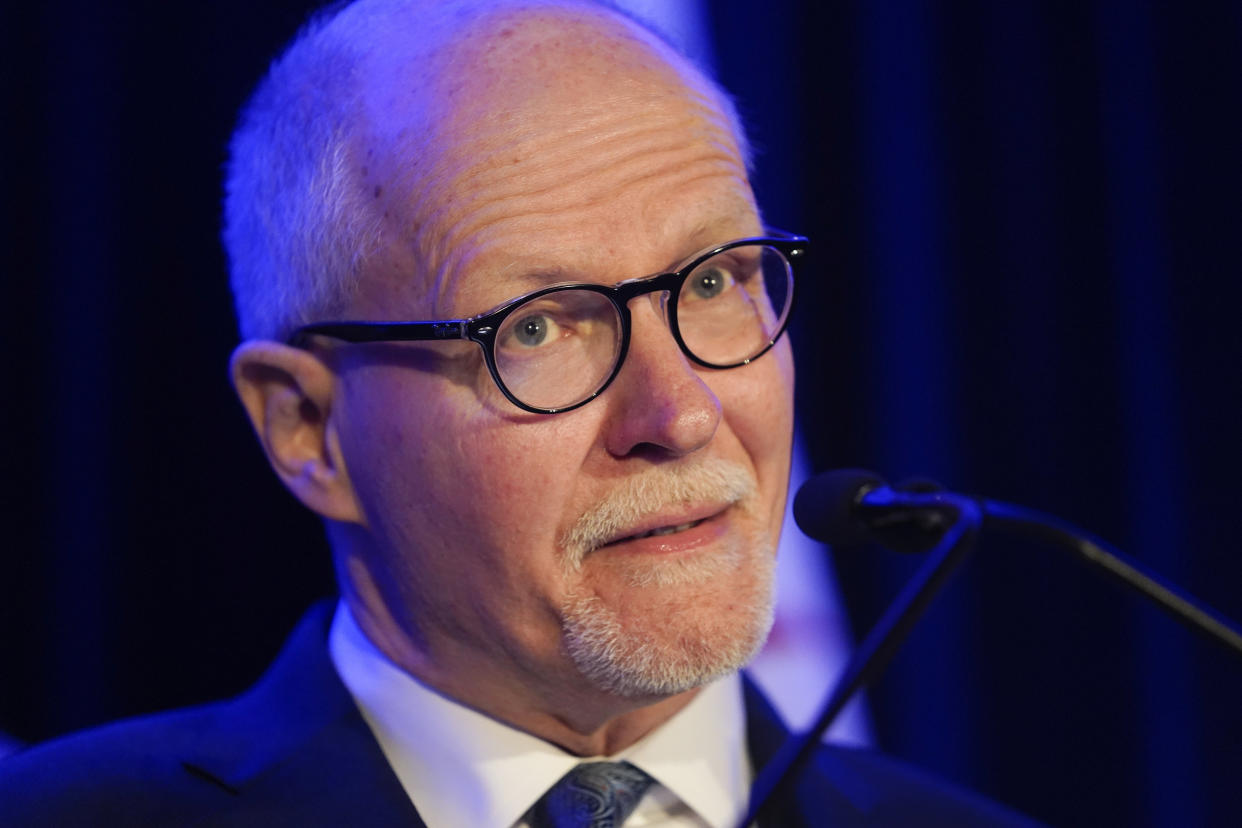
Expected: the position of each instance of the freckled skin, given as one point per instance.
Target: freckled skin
(571, 145)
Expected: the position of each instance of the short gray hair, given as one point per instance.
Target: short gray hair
(298, 225)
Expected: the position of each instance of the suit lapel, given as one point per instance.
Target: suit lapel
(827, 793)
(309, 757)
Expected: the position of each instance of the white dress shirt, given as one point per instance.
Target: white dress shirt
(461, 767)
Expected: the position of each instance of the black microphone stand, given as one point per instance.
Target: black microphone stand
(872, 656)
(1108, 560)
(908, 517)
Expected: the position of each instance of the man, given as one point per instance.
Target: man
(554, 542)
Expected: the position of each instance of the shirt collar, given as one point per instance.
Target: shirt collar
(461, 767)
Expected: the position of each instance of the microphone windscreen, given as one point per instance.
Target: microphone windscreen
(824, 506)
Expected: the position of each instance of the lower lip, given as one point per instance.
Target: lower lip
(703, 534)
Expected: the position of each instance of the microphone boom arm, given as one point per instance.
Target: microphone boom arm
(880, 645)
(851, 505)
(1032, 523)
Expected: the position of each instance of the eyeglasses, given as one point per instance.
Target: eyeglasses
(559, 347)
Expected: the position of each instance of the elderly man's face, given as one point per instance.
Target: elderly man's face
(625, 546)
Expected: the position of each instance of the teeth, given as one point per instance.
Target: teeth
(668, 530)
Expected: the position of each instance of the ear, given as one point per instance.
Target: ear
(288, 394)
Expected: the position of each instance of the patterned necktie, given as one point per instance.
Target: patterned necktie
(592, 795)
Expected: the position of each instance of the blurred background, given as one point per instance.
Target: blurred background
(1025, 283)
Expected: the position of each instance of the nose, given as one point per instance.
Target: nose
(659, 402)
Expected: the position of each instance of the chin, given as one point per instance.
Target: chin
(674, 626)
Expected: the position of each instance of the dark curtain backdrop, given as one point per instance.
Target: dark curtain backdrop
(1025, 284)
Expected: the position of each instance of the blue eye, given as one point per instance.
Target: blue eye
(531, 330)
(709, 283)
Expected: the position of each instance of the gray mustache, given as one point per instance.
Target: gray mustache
(651, 491)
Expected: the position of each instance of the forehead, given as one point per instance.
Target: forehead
(549, 145)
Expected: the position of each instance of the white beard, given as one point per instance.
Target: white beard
(677, 644)
(666, 653)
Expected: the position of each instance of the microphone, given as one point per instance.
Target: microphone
(851, 506)
(847, 507)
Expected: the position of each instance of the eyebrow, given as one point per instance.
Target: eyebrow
(704, 234)
(525, 280)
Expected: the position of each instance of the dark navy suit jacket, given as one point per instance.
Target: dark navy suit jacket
(294, 751)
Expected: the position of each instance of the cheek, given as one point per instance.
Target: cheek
(761, 403)
(759, 410)
(448, 480)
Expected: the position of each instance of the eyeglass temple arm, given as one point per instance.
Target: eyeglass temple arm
(384, 331)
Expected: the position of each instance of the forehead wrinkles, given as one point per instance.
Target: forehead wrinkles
(530, 180)
(536, 115)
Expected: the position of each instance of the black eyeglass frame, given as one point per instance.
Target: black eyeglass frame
(482, 328)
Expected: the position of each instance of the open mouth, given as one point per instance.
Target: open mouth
(657, 532)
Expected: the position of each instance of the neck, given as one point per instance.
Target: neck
(564, 709)
(607, 737)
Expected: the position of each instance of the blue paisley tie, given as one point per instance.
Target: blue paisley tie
(592, 795)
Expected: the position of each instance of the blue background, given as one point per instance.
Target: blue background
(1025, 283)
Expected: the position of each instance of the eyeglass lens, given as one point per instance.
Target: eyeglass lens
(558, 349)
